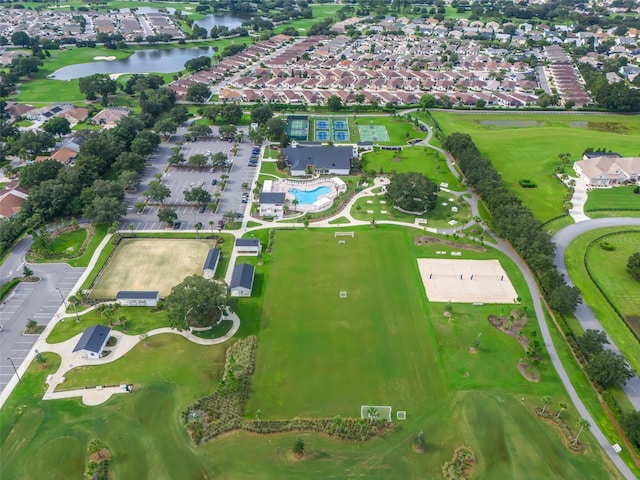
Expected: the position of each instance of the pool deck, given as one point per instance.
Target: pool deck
(323, 202)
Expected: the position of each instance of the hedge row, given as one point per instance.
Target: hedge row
(514, 222)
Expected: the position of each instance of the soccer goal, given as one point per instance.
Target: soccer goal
(344, 234)
(375, 412)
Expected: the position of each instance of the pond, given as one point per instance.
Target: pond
(142, 61)
(220, 20)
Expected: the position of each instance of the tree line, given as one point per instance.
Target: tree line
(514, 222)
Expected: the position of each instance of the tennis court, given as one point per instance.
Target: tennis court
(373, 133)
(322, 135)
(298, 127)
(340, 125)
(341, 136)
(331, 130)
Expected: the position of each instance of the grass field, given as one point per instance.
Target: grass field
(317, 355)
(151, 264)
(618, 198)
(614, 280)
(400, 130)
(614, 326)
(436, 218)
(412, 159)
(532, 152)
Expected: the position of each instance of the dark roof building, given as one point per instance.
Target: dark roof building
(93, 341)
(242, 280)
(131, 294)
(322, 158)
(275, 198)
(212, 259)
(247, 242)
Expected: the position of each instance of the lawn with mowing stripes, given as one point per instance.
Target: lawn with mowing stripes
(618, 198)
(520, 152)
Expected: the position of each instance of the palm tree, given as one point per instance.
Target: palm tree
(546, 401)
(563, 406)
(95, 446)
(75, 300)
(372, 414)
(211, 224)
(295, 204)
(337, 422)
(258, 416)
(582, 425)
(197, 229)
(131, 227)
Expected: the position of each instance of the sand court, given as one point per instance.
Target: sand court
(466, 281)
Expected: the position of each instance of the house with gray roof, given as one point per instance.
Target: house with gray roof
(211, 263)
(92, 341)
(248, 246)
(138, 298)
(323, 159)
(272, 204)
(242, 280)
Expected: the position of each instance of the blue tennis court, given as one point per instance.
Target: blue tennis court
(322, 124)
(322, 135)
(340, 125)
(341, 136)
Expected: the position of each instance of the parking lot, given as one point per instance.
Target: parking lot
(180, 179)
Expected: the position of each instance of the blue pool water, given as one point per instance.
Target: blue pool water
(306, 197)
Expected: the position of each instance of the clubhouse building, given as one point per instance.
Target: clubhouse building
(608, 170)
(303, 159)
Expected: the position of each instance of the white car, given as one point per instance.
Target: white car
(200, 183)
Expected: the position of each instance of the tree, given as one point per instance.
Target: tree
(198, 160)
(261, 114)
(231, 114)
(219, 159)
(20, 39)
(157, 192)
(546, 401)
(129, 179)
(582, 425)
(334, 103)
(413, 192)
(633, 266)
(427, 101)
(97, 84)
(196, 301)
(198, 195)
(27, 272)
(609, 369)
(167, 215)
(229, 216)
(139, 206)
(563, 406)
(35, 173)
(165, 127)
(199, 130)
(105, 210)
(592, 342)
(564, 298)
(372, 414)
(258, 416)
(631, 427)
(227, 131)
(57, 126)
(298, 448)
(199, 63)
(274, 128)
(198, 93)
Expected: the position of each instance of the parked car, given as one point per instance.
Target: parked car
(214, 181)
(202, 209)
(200, 182)
(220, 224)
(211, 170)
(176, 225)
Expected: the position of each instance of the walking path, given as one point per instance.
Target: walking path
(578, 200)
(124, 343)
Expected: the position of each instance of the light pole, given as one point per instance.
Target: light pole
(64, 302)
(14, 368)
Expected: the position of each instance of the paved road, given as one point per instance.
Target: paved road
(31, 301)
(584, 314)
(13, 264)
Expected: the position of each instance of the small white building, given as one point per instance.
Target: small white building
(248, 246)
(242, 280)
(272, 204)
(92, 342)
(211, 263)
(139, 298)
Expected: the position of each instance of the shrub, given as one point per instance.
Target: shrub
(637, 189)
(527, 183)
(604, 245)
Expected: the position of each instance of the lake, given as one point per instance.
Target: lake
(229, 21)
(142, 61)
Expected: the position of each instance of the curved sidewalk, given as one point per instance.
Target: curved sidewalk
(124, 344)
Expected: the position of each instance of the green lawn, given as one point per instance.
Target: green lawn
(320, 12)
(531, 152)
(74, 239)
(614, 280)
(138, 320)
(270, 169)
(574, 258)
(412, 159)
(619, 198)
(317, 355)
(400, 129)
(436, 218)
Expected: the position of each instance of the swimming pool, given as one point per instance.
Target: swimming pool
(306, 197)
